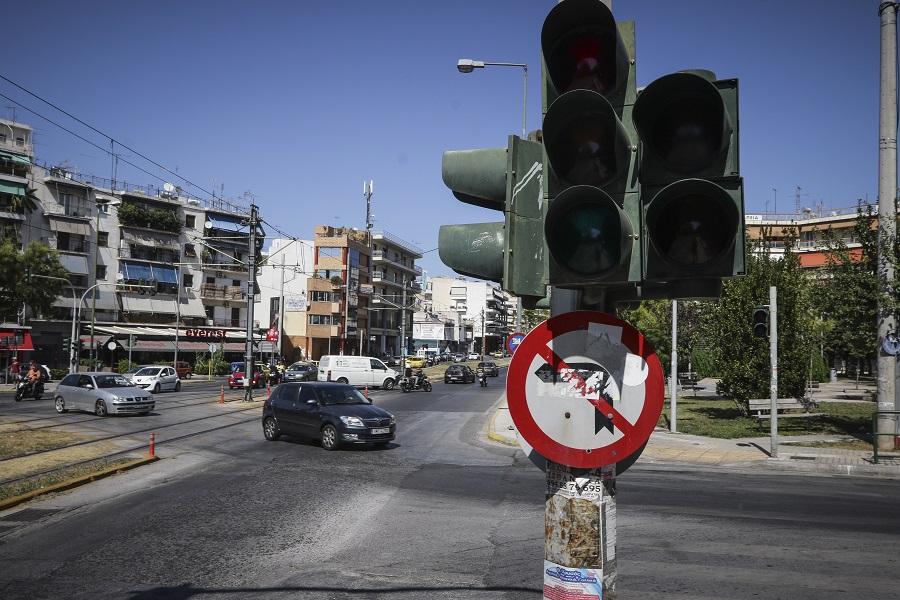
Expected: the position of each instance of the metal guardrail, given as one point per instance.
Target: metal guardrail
(875, 433)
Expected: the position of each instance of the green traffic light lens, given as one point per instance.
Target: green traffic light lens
(586, 239)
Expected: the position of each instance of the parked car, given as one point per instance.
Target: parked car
(458, 357)
(459, 374)
(490, 368)
(157, 378)
(335, 413)
(130, 372)
(300, 371)
(498, 354)
(102, 393)
(236, 379)
(473, 356)
(183, 368)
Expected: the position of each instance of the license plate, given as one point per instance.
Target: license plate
(381, 430)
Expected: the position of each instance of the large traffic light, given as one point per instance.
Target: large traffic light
(510, 252)
(593, 219)
(691, 188)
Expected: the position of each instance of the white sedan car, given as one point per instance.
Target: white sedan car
(157, 379)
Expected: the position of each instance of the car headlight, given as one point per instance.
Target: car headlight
(353, 422)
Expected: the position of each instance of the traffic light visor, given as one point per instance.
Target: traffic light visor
(585, 141)
(692, 223)
(587, 234)
(582, 48)
(682, 122)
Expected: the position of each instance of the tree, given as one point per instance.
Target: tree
(744, 360)
(16, 291)
(850, 289)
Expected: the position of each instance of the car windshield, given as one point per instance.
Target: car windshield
(344, 394)
(298, 367)
(113, 381)
(148, 372)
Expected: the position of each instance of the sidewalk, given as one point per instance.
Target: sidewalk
(748, 453)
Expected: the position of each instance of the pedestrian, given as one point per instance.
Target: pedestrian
(14, 369)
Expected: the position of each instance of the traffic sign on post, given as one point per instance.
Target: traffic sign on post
(513, 341)
(585, 389)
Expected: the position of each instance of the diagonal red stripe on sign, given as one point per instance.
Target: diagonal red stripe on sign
(600, 404)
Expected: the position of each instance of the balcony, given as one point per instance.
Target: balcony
(212, 291)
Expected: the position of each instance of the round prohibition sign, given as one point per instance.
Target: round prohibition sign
(585, 389)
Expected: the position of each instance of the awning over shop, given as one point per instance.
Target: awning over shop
(162, 345)
(167, 345)
(15, 339)
(74, 263)
(226, 224)
(99, 340)
(12, 188)
(146, 239)
(66, 226)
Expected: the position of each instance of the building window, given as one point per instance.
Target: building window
(101, 273)
(187, 280)
(190, 221)
(189, 250)
(103, 238)
(320, 296)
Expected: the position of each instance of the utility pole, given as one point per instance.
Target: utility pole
(251, 282)
(367, 192)
(673, 378)
(281, 313)
(887, 211)
(773, 361)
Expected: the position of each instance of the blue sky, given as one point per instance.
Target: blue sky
(299, 102)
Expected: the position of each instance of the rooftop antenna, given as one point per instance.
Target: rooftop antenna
(797, 196)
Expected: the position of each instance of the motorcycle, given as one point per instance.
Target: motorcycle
(416, 381)
(26, 389)
(482, 377)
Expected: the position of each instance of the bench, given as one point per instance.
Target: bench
(761, 409)
(687, 379)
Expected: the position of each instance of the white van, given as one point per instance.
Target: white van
(357, 370)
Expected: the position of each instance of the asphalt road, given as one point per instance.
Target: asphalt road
(443, 513)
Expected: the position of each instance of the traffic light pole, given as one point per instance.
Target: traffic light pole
(580, 533)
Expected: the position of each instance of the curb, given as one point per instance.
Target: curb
(73, 483)
(496, 436)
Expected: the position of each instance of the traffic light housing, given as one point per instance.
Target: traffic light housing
(761, 321)
(511, 252)
(593, 217)
(692, 199)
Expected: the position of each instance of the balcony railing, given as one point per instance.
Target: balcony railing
(222, 292)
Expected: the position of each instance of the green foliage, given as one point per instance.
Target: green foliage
(820, 371)
(125, 365)
(847, 300)
(57, 374)
(533, 318)
(703, 362)
(219, 366)
(15, 291)
(743, 361)
(162, 220)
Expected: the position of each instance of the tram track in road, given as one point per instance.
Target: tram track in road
(97, 448)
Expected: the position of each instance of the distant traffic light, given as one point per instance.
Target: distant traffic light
(510, 252)
(761, 321)
(593, 218)
(691, 189)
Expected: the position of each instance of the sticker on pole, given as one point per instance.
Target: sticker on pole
(585, 389)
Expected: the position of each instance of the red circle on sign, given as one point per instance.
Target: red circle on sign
(536, 344)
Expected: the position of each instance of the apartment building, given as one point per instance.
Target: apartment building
(478, 310)
(396, 293)
(153, 271)
(287, 266)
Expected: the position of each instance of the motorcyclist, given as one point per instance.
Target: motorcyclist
(34, 378)
(482, 376)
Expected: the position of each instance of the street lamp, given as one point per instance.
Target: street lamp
(467, 65)
(100, 201)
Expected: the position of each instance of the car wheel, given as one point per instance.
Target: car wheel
(342, 380)
(61, 405)
(100, 408)
(188, 375)
(155, 389)
(270, 429)
(388, 383)
(446, 381)
(177, 386)
(329, 438)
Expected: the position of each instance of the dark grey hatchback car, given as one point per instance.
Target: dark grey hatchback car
(335, 413)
